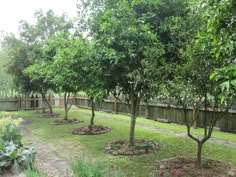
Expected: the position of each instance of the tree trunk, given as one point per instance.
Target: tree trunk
(93, 115)
(132, 131)
(205, 115)
(49, 106)
(65, 106)
(43, 103)
(199, 154)
(134, 113)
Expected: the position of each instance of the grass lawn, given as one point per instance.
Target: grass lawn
(138, 166)
(180, 128)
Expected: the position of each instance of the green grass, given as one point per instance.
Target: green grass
(175, 127)
(138, 166)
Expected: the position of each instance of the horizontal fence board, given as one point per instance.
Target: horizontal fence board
(170, 113)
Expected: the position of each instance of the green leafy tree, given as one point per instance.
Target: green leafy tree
(38, 75)
(27, 49)
(66, 65)
(124, 43)
(198, 64)
(219, 34)
(92, 85)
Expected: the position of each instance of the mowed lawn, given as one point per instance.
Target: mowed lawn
(93, 146)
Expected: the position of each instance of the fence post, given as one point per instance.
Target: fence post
(194, 117)
(19, 100)
(25, 102)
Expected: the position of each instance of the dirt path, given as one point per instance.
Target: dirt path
(48, 160)
(161, 130)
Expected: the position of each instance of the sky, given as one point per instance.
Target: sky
(13, 11)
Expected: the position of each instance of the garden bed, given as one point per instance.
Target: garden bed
(95, 130)
(181, 167)
(68, 121)
(121, 147)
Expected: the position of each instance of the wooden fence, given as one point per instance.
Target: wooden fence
(226, 122)
(24, 103)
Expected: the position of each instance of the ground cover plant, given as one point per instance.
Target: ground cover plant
(14, 156)
(138, 166)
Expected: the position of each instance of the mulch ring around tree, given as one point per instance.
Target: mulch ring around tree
(95, 130)
(183, 166)
(68, 121)
(121, 147)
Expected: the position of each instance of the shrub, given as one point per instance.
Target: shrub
(9, 129)
(85, 167)
(15, 158)
(33, 172)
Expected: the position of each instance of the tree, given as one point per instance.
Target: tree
(92, 84)
(38, 75)
(27, 49)
(124, 43)
(66, 65)
(198, 64)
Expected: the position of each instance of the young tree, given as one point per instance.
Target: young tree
(124, 43)
(193, 69)
(38, 76)
(66, 66)
(92, 85)
(195, 74)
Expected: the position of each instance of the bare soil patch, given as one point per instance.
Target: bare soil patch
(94, 130)
(121, 147)
(186, 167)
(68, 121)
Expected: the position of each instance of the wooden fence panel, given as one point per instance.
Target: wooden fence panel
(227, 121)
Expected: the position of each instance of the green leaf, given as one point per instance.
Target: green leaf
(213, 76)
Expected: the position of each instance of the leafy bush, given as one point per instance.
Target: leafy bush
(9, 129)
(15, 158)
(85, 167)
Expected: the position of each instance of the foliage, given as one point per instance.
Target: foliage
(226, 77)
(9, 130)
(198, 62)
(219, 35)
(38, 75)
(26, 49)
(14, 157)
(65, 69)
(85, 167)
(34, 172)
(123, 41)
(6, 82)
